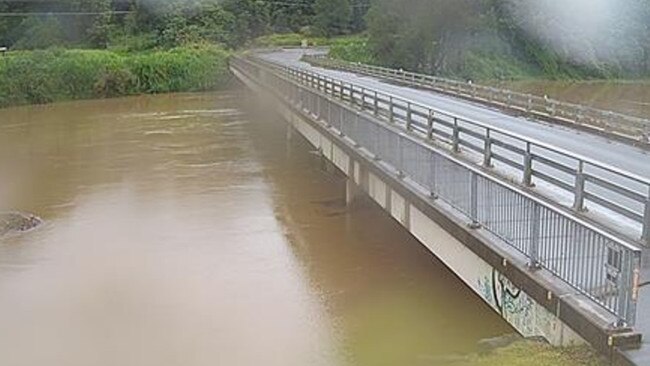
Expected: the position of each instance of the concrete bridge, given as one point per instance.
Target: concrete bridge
(546, 224)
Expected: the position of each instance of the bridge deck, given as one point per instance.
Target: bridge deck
(614, 153)
(599, 148)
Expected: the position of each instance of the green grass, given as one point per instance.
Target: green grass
(352, 48)
(288, 40)
(526, 353)
(36, 77)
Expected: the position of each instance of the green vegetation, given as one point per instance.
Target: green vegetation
(467, 39)
(72, 49)
(526, 353)
(352, 48)
(289, 40)
(58, 74)
(511, 39)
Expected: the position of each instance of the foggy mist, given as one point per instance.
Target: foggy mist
(583, 31)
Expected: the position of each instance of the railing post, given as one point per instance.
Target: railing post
(487, 151)
(400, 150)
(579, 194)
(633, 283)
(456, 137)
(430, 121)
(553, 107)
(375, 105)
(528, 167)
(391, 115)
(533, 250)
(408, 116)
(624, 288)
(362, 100)
(473, 205)
(646, 222)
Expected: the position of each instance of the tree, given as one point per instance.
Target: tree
(40, 32)
(251, 19)
(332, 17)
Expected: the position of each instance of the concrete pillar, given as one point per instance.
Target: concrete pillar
(352, 191)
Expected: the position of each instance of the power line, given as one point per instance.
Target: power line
(64, 13)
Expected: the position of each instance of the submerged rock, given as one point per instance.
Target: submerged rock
(12, 222)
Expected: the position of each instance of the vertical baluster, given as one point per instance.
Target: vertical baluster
(535, 235)
(473, 196)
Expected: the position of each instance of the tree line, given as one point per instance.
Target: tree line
(574, 38)
(170, 23)
(462, 38)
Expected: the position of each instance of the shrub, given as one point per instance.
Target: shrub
(35, 77)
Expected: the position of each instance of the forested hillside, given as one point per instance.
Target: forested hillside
(472, 39)
(169, 23)
(511, 38)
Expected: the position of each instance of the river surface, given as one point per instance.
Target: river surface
(184, 230)
(627, 97)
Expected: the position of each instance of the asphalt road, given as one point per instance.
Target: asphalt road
(599, 148)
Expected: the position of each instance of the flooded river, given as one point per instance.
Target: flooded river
(627, 97)
(183, 230)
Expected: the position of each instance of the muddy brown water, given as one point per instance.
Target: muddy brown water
(627, 97)
(185, 230)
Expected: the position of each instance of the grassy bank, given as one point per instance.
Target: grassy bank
(525, 353)
(30, 77)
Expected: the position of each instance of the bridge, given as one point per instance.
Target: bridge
(541, 207)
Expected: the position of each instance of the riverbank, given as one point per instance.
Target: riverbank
(524, 353)
(45, 76)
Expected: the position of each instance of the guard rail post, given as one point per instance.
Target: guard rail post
(528, 167)
(579, 194)
(646, 222)
(408, 116)
(430, 121)
(362, 100)
(487, 151)
(391, 115)
(456, 137)
(375, 105)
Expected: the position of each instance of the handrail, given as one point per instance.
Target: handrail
(634, 128)
(622, 193)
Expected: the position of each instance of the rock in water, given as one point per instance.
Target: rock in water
(16, 222)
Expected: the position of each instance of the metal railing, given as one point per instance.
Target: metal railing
(633, 128)
(594, 262)
(618, 200)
